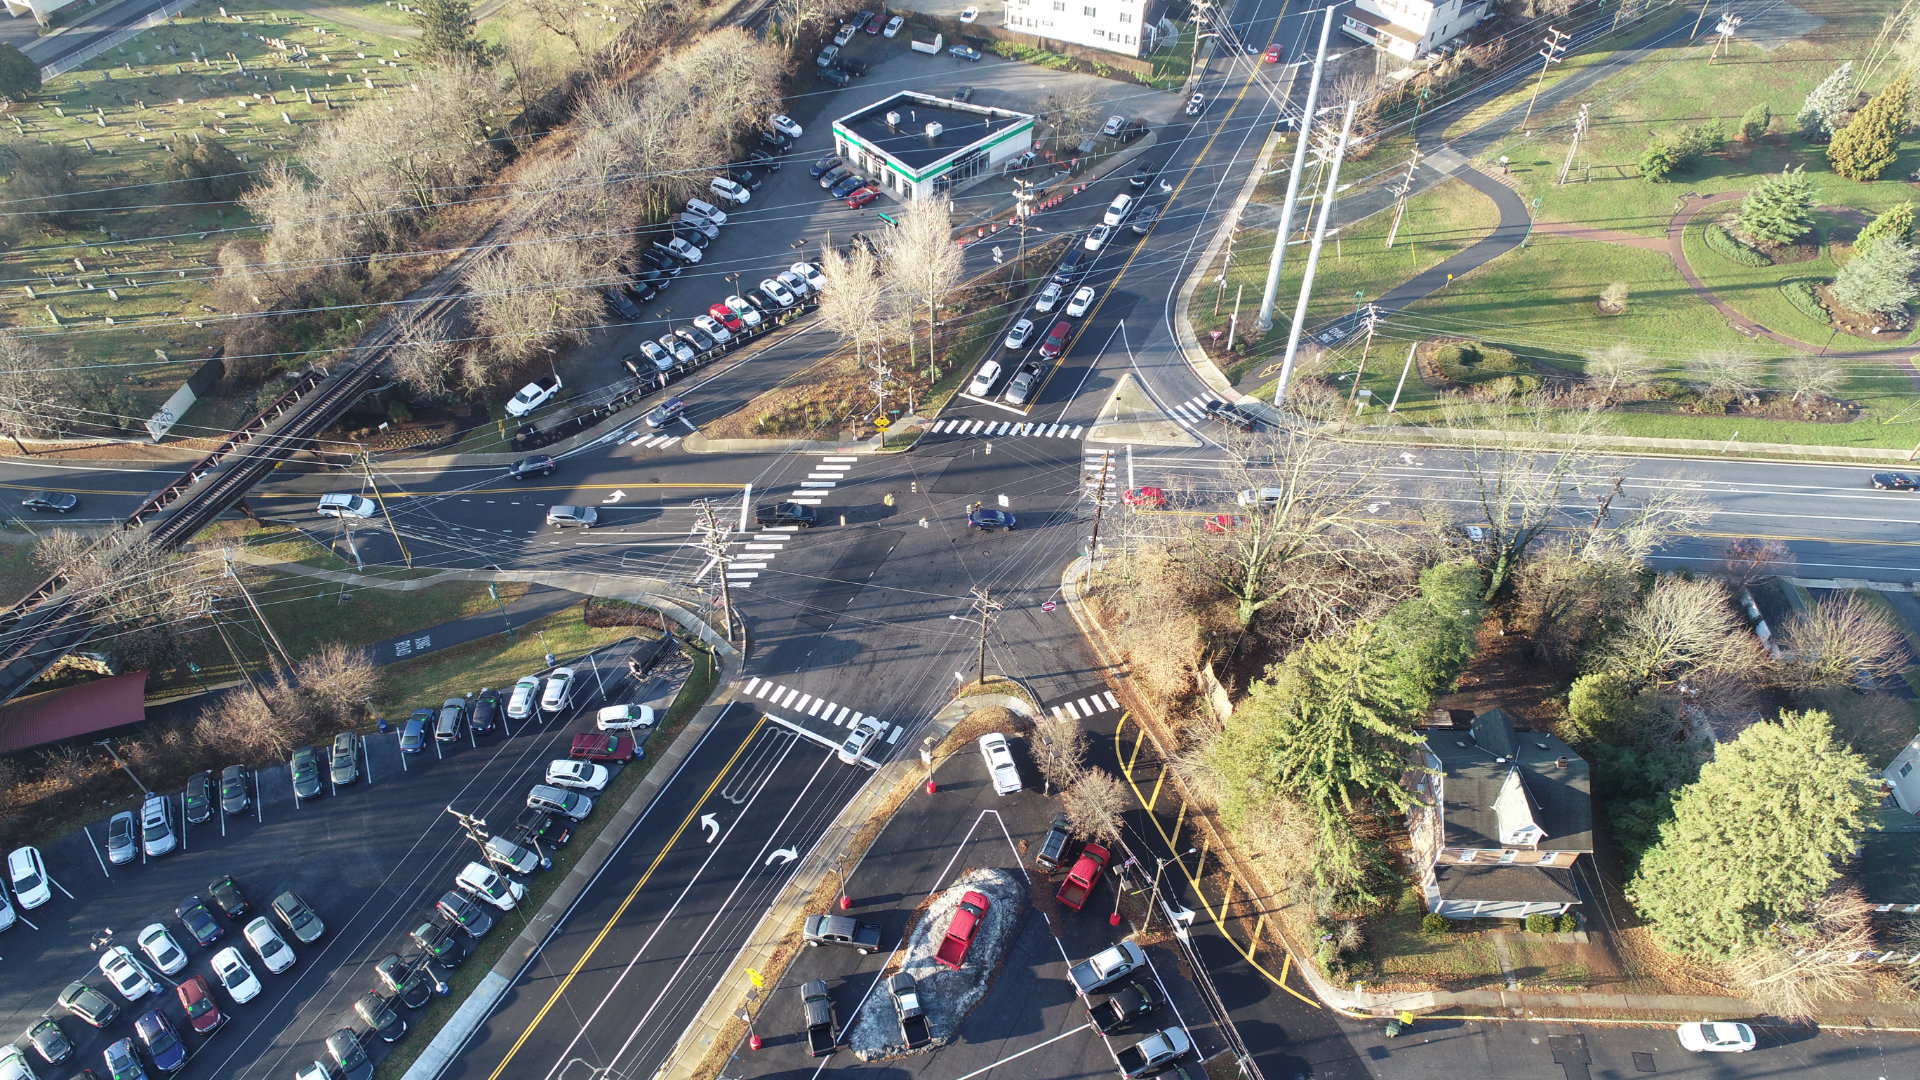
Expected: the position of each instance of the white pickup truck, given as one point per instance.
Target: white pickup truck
(532, 396)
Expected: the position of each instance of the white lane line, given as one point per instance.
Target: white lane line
(895, 737)
(744, 576)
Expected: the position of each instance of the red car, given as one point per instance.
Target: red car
(1056, 342)
(1272, 55)
(196, 997)
(879, 20)
(726, 317)
(966, 922)
(1148, 498)
(1220, 523)
(862, 197)
(594, 746)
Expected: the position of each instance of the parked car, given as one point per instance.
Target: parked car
(413, 736)
(1107, 967)
(967, 916)
(409, 982)
(1112, 127)
(463, 911)
(1153, 1054)
(55, 502)
(712, 327)
(840, 930)
(1000, 764)
(163, 1044)
(964, 52)
(590, 746)
(520, 704)
(453, 717)
(778, 293)
(121, 847)
(440, 942)
(558, 694)
(681, 352)
(234, 797)
(27, 873)
(987, 519)
(730, 191)
(621, 305)
(379, 1016)
(573, 517)
(156, 827)
(553, 800)
(343, 765)
(273, 949)
(484, 883)
(760, 156)
(193, 914)
(854, 749)
(862, 197)
(532, 396)
(677, 248)
(893, 26)
(827, 56)
(747, 314)
(196, 1000)
(580, 775)
(1711, 1037)
(624, 718)
(785, 125)
(835, 75)
(49, 1041)
(852, 65)
(349, 1056)
(305, 767)
(123, 1061)
(1053, 848)
(90, 1005)
(847, 185)
(841, 37)
(297, 917)
(538, 826)
(125, 974)
(701, 209)
(160, 947)
(649, 361)
(484, 714)
(197, 802)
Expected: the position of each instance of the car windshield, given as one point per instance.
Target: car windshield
(26, 882)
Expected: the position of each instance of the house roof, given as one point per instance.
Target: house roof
(1381, 24)
(1889, 866)
(1505, 883)
(75, 710)
(1542, 776)
(962, 125)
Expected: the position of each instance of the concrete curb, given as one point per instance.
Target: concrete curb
(452, 1037)
(1189, 343)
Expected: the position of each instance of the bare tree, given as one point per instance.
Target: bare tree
(729, 81)
(923, 265)
(1094, 805)
(533, 293)
(1735, 373)
(1059, 747)
(855, 304)
(1809, 961)
(423, 360)
(795, 17)
(1681, 628)
(1813, 376)
(29, 402)
(1621, 364)
(1842, 641)
(1069, 114)
(1751, 560)
(1562, 600)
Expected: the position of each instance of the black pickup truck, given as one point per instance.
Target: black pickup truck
(841, 930)
(913, 1018)
(820, 1021)
(1118, 1011)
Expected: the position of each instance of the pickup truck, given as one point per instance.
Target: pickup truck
(1153, 1054)
(966, 922)
(1119, 1010)
(532, 396)
(906, 1002)
(1083, 877)
(1053, 849)
(841, 930)
(820, 1022)
(1107, 967)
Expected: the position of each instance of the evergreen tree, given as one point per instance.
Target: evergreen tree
(1895, 222)
(1868, 144)
(1827, 105)
(1779, 208)
(1753, 126)
(446, 30)
(1879, 280)
(1431, 636)
(19, 75)
(1757, 838)
(207, 169)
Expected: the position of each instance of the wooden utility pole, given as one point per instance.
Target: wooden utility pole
(1728, 24)
(1579, 129)
(1555, 43)
(1099, 506)
(1400, 196)
(713, 538)
(984, 606)
(213, 616)
(366, 463)
(1704, 5)
(1373, 320)
(264, 624)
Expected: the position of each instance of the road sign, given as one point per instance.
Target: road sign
(882, 423)
(754, 978)
(1048, 606)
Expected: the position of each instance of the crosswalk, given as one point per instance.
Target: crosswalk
(754, 552)
(1091, 705)
(798, 705)
(1193, 411)
(827, 472)
(1093, 465)
(653, 442)
(1006, 429)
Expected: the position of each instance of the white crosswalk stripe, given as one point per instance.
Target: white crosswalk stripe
(807, 707)
(652, 442)
(1092, 466)
(1008, 429)
(827, 472)
(1091, 705)
(1193, 410)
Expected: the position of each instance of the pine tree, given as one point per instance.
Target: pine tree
(19, 75)
(1779, 208)
(1753, 126)
(1827, 104)
(1879, 280)
(446, 30)
(1895, 222)
(1757, 838)
(1868, 144)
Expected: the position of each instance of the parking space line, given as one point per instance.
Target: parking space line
(56, 884)
(259, 804)
(104, 872)
(28, 921)
(403, 754)
(183, 821)
(1024, 1053)
(368, 755)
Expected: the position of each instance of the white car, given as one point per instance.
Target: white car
(795, 284)
(315, 1071)
(559, 692)
(711, 327)
(156, 827)
(1082, 300)
(28, 874)
(1006, 775)
(971, 13)
(1196, 104)
(984, 379)
(234, 974)
(485, 883)
(1048, 297)
(1021, 333)
(1118, 208)
(780, 293)
(13, 1064)
(273, 949)
(1721, 1037)
(701, 208)
(584, 775)
(162, 949)
(810, 274)
(730, 191)
(624, 718)
(747, 313)
(845, 35)
(344, 505)
(784, 125)
(126, 974)
(525, 693)
(1097, 237)
(7, 914)
(862, 736)
(531, 397)
(893, 26)
(679, 249)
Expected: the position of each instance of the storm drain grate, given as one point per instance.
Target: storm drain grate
(1643, 1062)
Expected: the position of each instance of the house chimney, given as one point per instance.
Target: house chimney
(1560, 763)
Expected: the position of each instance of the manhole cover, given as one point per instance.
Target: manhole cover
(1643, 1062)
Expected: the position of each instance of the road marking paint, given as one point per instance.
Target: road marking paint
(1024, 1053)
(801, 705)
(752, 684)
(805, 502)
(826, 476)
(1071, 713)
(104, 872)
(746, 576)
(821, 706)
(895, 737)
(839, 459)
(842, 718)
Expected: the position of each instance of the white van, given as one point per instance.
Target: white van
(1117, 209)
(1261, 497)
(345, 505)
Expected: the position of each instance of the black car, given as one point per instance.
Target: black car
(785, 513)
(409, 982)
(640, 292)
(963, 94)
(49, 1041)
(835, 75)
(775, 141)
(537, 465)
(744, 176)
(306, 772)
(538, 826)
(620, 304)
(58, 502)
(697, 237)
(349, 1056)
(1053, 849)
(1143, 174)
(199, 798)
(852, 65)
(233, 790)
(1143, 220)
(698, 338)
(763, 159)
(193, 915)
(762, 303)
(660, 263)
(378, 1014)
(987, 519)
(227, 897)
(1231, 415)
(1893, 481)
(1119, 1010)
(821, 167)
(440, 942)
(486, 712)
(465, 912)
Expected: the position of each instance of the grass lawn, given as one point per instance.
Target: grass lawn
(1173, 64)
(495, 661)
(1456, 961)
(1438, 223)
(1754, 291)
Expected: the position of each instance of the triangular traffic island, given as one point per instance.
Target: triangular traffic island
(1130, 416)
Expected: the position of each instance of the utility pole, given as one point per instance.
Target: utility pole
(1728, 24)
(1579, 129)
(984, 607)
(1099, 507)
(1313, 260)
(213, 616)
(1704, 5)
(264, 624)
(1233, 324)
(1293, 178)
(1373, 320)
(366, 463)
(1556, 43)
(713, 540)
(1395, 403)
(1400, 196)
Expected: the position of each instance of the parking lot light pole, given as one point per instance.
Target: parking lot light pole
(1154, 896)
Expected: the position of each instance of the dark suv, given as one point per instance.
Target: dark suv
(537, 465)
(785, 513)
(1232, 415)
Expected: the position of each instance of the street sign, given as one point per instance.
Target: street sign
(754, 978)
(882, 423)
(1048, 606)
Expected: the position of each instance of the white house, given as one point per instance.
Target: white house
(1131, 27)
(1410, 29)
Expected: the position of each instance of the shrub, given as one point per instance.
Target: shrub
(398, 412)
(1672, 390)
(1614, 296)
(1659, 160)
(1895, 222)
(1539, 923)
(1434, 924)
(1507, 387)
(1679, 151)
(1569, 922)
(1753, 126)
(1879, 279)
(1800, 294)
(1729, 247)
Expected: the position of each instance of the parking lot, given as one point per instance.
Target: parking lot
(370, 859)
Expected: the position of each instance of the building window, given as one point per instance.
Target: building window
(1906, 768)
(1126, 17)
(1509, 856)
(1099, 33)
(1088, 11)
(1059, 5)
(1467, 856)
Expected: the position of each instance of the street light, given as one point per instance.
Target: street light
(1154, 896)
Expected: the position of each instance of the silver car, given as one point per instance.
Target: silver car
(583, 517)
(121, 845)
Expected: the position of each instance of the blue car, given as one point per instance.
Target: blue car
(823, 166)
(964, 52)
(162, 1042)
(848, 186)
(987, 519)
(413, 738)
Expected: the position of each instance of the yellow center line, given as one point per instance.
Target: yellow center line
(622, 910)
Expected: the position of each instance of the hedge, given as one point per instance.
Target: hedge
(1728, 246)
(1471, 362)
(1801, 295)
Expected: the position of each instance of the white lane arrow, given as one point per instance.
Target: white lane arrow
(712, 825)
(782, 856)
(614, 498)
